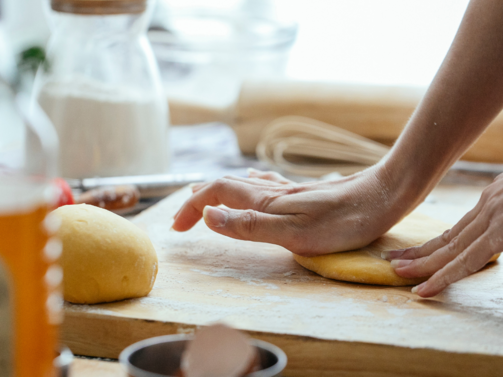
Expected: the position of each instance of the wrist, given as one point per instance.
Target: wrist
(405, 182)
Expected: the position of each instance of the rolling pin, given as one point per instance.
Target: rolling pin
(376, 112)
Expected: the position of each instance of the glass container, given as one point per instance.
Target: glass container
(102, 91)
(205, 54)
(30, 278)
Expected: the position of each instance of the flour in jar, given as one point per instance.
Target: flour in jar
(105, 130)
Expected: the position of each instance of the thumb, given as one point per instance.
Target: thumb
(252, 226)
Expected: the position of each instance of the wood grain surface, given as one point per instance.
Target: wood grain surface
(324, 326)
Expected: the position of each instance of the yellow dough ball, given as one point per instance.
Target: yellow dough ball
(105, 257)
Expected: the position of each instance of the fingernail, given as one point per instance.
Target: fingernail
(215, 217)
(418, 288)
(398, 263)
(193, 184)
(172, 229)
(392, 254)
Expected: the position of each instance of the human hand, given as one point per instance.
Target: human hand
(308, 219)
(473, 242)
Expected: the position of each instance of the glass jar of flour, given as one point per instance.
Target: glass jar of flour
(101, 89)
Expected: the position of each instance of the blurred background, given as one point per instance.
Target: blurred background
(272, 84)
(365, 41)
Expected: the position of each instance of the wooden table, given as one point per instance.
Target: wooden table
(458, 312)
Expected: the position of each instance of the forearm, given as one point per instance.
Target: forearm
(465, 95)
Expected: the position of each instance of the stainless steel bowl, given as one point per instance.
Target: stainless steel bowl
(161, 357)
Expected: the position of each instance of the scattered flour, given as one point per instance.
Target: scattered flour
(232, 273)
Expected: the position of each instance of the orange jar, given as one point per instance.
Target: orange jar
(30, 279)
(29, 291)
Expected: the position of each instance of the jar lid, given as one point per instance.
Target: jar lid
(97, 7)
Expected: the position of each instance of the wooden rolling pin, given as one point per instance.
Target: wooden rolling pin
(376, 112)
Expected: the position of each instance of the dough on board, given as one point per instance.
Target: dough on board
(105, 257)
(366, 265)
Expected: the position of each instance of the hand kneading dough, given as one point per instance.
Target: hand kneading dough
(366, 265)
(105, 257)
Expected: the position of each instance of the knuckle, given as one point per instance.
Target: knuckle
(446, 236)
(443, 281)
(220, 182)
(486, 194)
(496, 204)
(292, 189)
(454, 246)
(467, 267)
(494, 246)
(265, 200)
(490, 209)
(249, 221)
(492, 202)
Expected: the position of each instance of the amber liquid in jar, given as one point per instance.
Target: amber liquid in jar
(29, 286)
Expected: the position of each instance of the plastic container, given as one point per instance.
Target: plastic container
(102, 90)
(30, 279)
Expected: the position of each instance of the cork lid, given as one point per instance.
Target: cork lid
(97, 7)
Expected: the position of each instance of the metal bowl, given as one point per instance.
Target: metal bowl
(161, 357)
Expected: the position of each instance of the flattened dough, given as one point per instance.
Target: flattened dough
(366, 265)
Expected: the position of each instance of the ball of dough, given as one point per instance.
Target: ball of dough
(105, 257)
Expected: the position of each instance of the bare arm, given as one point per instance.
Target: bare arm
(323, 217)
(463, 98)
(466, 94)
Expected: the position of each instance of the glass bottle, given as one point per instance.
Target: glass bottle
(102, 89)
(30, 279)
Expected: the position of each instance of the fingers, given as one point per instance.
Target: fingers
(232, 193)
(256, 181)
(437, 259)
(268, 176)
(468, 247)
(197, 187)
(252, 181)
(471, 260)
(418, 251)
(254, 226)
(435, 244)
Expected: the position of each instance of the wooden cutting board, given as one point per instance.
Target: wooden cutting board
(324, 326)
